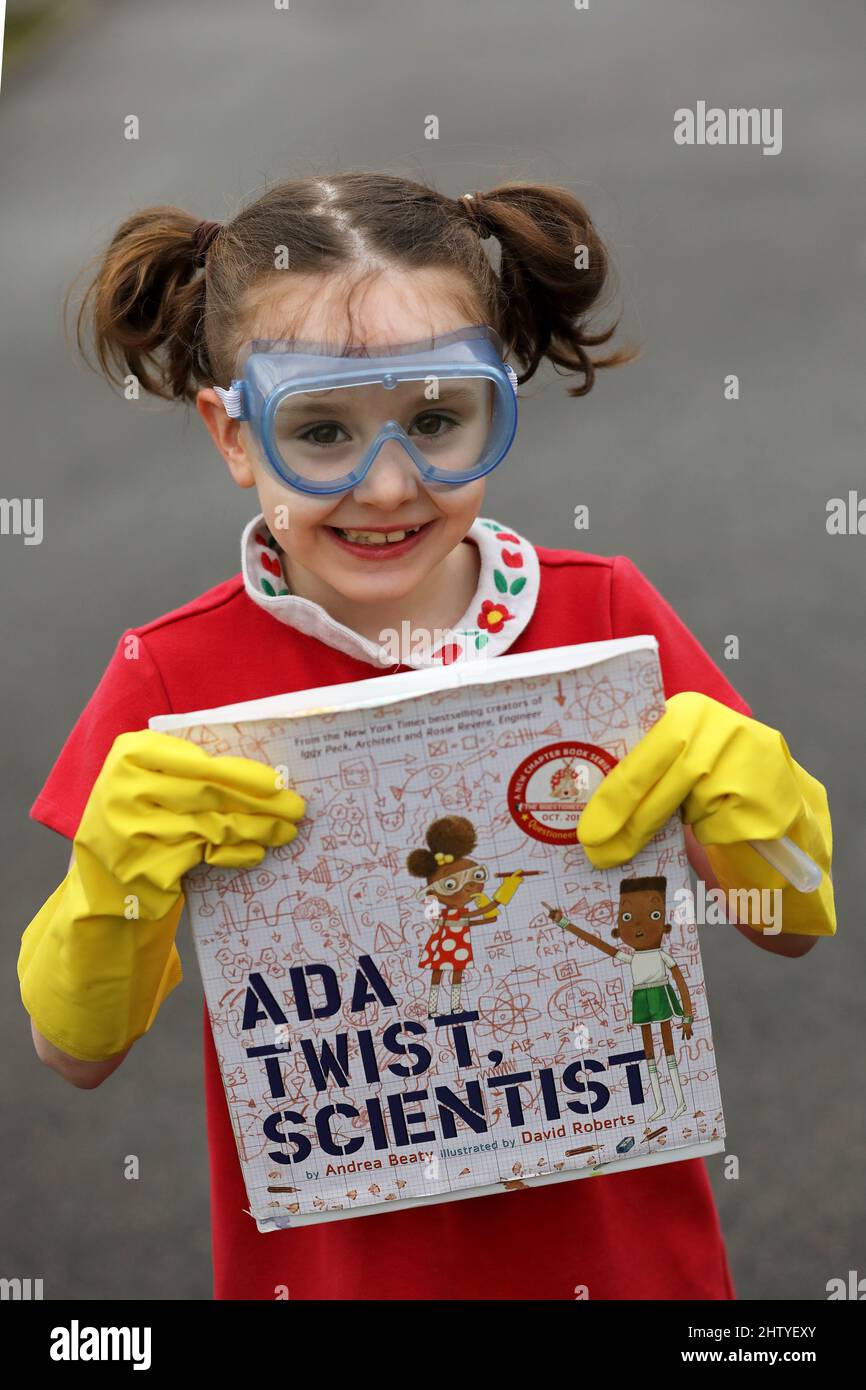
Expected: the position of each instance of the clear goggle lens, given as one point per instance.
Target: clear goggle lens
(325, 435)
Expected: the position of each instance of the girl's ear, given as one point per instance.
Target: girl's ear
(615, 931)
(226, 435)
(668, 927)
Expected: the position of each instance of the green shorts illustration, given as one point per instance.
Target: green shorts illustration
(654, 1004)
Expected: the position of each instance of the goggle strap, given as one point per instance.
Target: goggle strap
(512, 376)
(233, 400)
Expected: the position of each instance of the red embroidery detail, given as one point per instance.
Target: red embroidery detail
(493, 624)
(513, 559)
(448, 654)
(507, 536)
(271, 564)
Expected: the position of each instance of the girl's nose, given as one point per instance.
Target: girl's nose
(392, 479)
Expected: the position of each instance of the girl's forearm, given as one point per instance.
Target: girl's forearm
(86, 1076)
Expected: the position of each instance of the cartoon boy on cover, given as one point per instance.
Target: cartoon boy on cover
(641, 926)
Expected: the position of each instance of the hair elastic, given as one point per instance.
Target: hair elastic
(203, 235)
(469, 206)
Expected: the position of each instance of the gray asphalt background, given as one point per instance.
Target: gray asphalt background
(730, 261)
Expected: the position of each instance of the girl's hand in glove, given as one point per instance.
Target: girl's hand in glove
(99, 958)
(735, 781)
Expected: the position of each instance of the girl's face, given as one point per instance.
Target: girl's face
(396, 307)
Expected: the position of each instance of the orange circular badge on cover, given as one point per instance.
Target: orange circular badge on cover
(549, 790)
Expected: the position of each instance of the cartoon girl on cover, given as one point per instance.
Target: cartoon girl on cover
(454, 882)
(641, 926)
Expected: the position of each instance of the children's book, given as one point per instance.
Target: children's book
(431, 994)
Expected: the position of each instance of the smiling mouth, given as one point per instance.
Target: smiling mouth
(378, 537)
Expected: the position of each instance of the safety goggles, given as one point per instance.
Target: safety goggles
(475, 876)
(321, 415)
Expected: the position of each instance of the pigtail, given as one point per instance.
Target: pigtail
(421, 863)
(143, 309)
(547, 299)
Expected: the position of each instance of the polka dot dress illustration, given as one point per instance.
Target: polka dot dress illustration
(454, 902)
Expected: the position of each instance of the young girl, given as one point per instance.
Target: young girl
(368, 520)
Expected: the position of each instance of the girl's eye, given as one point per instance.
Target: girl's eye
(655, 916)
(479, 875)
(449, 885)
(626, 916)
(433, 424)
(322, 434)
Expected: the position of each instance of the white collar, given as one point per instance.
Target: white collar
(500, 609)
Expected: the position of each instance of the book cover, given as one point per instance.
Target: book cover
(431, 993)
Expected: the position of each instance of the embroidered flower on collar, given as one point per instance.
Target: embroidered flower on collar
(493, 615)
(501, 607)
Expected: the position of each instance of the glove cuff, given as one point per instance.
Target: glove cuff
(738, 867)
(94, 983)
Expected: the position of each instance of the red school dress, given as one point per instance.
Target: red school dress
(651, 1233)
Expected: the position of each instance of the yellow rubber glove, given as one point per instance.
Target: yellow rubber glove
(735, 781)
(99, 958)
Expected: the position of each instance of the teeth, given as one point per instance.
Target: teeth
(376, 537)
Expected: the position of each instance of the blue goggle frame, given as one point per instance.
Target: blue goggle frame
(270, 370)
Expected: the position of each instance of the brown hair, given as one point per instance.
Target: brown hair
(166, 298)
(454, 835)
